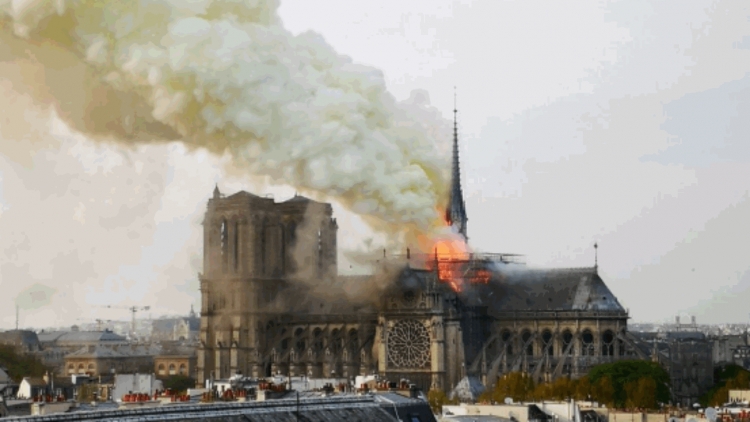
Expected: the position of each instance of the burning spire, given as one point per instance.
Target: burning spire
(455, 213)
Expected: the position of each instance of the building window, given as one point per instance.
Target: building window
(183, 369)
(507, 341)
(608, 343)
(71, 369)
(236, 246)
(547, 346)
(161, 369)
(172, 369)
(81, 369)
(587, 343)
(224, 244)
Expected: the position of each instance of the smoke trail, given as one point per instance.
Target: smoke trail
(224, 75)
(36, 296)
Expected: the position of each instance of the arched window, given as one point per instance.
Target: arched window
(161, 370)
(183, 369)
(354, 340)
(71, 369)
(529, 346)
(548, 347)
(587, 343)
(567, 339)
(318, 340)
(506, 337)
(608, 343)
(172, 369)
(236, 246)
(81, 369)
(224, 243)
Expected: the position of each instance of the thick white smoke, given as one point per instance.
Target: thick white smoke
(226, 76)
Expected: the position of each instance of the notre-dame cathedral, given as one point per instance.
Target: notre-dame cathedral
(272, 303)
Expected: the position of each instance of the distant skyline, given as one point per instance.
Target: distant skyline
(625, 123)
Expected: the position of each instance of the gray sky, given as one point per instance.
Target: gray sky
(622, 122)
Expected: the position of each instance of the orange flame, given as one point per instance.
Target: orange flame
(448, 253)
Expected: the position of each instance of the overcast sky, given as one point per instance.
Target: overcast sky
(619, 122)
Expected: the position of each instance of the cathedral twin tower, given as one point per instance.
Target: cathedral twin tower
(253, 247)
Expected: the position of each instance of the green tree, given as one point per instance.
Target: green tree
(604, 391)
(725, 378)
(624, 372)
(563, 388)
(178, 383)
(19, 366)
(437, 399)
(583, 388)
(516, 385)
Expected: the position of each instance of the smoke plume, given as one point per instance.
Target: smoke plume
(225, 76)
(34, 297)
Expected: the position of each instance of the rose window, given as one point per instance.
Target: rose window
(408, 344)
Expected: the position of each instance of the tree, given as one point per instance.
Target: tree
(178, 383)
(563, 388)
(583, 388)
(725, 378)
(437, 399)
(604, 391)
(645, 393)
(625, 372)
(516, 385)
(19, 366)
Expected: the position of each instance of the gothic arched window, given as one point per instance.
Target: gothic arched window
(547, 345)
(608, 343)
(224, 243)
(236, 246)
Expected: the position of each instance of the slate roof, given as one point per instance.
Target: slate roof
(19, 337)
(79, 337)
(514, 287)
(351, 408)
(468, 389)
(114, 352)
(576, 289)
(167, 349)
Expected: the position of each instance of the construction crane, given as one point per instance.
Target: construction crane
(133, 310)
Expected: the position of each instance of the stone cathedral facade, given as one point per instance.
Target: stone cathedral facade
(272, 303)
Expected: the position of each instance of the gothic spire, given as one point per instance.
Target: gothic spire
(455, 214)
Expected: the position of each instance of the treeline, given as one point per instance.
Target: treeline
(19, 365)
(730, 377)
(623, 384)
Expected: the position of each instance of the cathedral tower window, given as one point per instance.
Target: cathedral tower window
(319, 245)
(224, 244)
(236, 246)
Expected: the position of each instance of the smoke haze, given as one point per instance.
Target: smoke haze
(225, 76)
